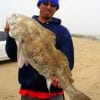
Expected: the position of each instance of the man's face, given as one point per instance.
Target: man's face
(47, 10)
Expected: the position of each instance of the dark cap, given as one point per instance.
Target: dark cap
(56, 2)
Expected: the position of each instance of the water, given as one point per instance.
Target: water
(93, 36)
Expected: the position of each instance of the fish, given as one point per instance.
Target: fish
(36, 46)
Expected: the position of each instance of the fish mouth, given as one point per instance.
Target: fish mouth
(11, 20)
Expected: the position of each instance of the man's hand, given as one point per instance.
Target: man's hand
(55, 82)
(6, 28)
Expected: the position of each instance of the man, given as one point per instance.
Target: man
(33, 85)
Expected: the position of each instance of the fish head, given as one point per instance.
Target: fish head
(16, 25)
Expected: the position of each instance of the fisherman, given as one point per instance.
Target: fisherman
(33, 85)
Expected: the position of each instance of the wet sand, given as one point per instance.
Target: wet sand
(86, 71)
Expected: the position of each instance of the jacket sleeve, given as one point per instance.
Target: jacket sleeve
(67, 48)
(11, 48)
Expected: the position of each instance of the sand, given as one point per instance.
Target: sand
(86, 71)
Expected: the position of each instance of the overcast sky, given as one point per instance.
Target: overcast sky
(79, 16)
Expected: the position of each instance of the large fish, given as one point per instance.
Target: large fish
(36, 46)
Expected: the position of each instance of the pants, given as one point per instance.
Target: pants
(59, 97)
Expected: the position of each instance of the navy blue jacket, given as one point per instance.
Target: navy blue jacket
(28, 77)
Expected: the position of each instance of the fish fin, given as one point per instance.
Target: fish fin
(49, 83)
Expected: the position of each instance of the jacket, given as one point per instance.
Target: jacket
(32, 83)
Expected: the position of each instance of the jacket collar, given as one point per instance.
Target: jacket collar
(53, 21)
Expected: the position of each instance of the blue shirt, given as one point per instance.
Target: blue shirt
(63, 38)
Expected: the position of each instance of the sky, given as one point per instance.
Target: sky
(79, 16)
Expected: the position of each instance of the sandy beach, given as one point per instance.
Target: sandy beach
(86, 72)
